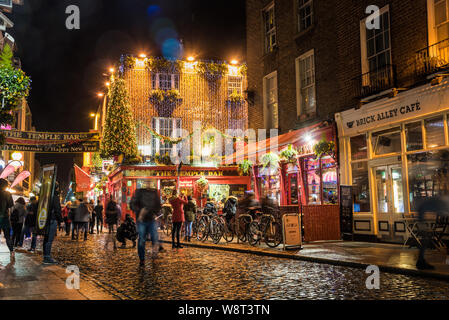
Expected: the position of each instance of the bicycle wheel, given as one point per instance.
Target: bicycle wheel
(217, 230)
(254, 234)
(242, 229)
(228, 234)
(273, 234)
(203, 230)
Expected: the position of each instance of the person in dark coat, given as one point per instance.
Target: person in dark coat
(99, 216)
(127, 230)
(190, 214)
(6, 203)
(230, 208)
(17, 219)
(111, 221)
(82, 216)
(54, 218)
(30, 222)
(146, 204)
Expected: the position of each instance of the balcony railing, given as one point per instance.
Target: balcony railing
(433, 58)
(375, 81)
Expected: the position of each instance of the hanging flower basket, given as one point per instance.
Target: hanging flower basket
(324, 148)
(270, 163)
(245, 167)
(202, 184)
(212, 71)
(165, 101)
(289, 155)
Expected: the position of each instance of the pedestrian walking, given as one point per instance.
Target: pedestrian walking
(178, 217)
(65, 217)
(99, 216)
(190, 214)
(6, 203)
(127, 230)
(92, 217)
(146, 204)
(82, 216)
(30, 222)
(71, 217)
(111, 221)
(17, 218)
(54, 218)
(119, 214)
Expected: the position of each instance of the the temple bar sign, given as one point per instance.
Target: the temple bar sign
(173, 173)
(49, 142)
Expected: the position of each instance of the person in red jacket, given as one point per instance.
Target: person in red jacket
(178, 216)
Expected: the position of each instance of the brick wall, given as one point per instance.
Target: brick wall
(335, 38)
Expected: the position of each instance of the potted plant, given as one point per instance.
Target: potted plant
(245, 167)
(270, 160)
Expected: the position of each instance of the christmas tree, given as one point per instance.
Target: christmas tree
(119, 134)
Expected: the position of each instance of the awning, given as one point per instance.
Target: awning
(303, 139)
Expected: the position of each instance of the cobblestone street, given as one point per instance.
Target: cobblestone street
(196, 273)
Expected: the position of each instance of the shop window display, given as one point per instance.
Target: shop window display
(269, 186)
(218, 192)
(313, 181)
(360, 187)
(428, 176)
(330, 186)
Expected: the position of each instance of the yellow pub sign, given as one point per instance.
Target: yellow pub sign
(173, 173)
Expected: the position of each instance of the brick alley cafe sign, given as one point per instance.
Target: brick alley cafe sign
(50, 142)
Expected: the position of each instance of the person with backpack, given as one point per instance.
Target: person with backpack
(146, 204)
(30, 222)
(6, 203)
(230, 208)
(190, 214)
(111, 221)
(17, 219)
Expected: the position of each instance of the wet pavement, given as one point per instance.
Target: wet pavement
(199, 273)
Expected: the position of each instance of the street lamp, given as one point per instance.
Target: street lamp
(191, 59)
(111, 70)
(234, 61)
(100, 94)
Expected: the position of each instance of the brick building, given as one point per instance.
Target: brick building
(311, 60)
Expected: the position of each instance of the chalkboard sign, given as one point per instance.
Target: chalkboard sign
(346, 210)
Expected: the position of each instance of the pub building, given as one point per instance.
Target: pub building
(310, 185)
(222, 182)
(394, 152)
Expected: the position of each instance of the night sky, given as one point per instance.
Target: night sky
(67, 66)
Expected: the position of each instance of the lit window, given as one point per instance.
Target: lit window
(387, 141)
(234, 85)
(442, 19)
(269, 29)
(305, 14)
(306, 82)
(165, 81)
(271, 102)
(165, 127)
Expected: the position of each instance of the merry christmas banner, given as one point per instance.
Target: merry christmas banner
(50, 142)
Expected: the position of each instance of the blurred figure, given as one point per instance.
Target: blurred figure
(54, 218)
(119, 214)
(6, 203)
(146, 204)
(30, 222)
(209, 207)
(127, 230)
(65, 217)
(17, 219)
(92, 217)
(72, 214)
(111, 221)
(178, 217)
(230, 208)
(249, 204)
(190, 214)
(167, 210)
(99, 216)
(82, 216)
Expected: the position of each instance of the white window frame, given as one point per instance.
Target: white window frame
(299, 108)
(432, 27)
(267, 34)
(235, 83)
(156, 145)
(303, 6)
(265, 98)
(364, 49)
(174, 84)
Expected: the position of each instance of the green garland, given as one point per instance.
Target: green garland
(160, 65)
(212, 71)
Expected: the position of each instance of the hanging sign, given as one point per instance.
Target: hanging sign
(48, 142)
(291, 226)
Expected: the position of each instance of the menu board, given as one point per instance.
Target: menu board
(292, 230)
(346, 210)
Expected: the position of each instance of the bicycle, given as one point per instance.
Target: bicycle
(210, 226)
(267, 228)
(243, 222)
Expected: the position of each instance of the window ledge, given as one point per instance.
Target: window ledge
(299, 35)
(271, 53)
